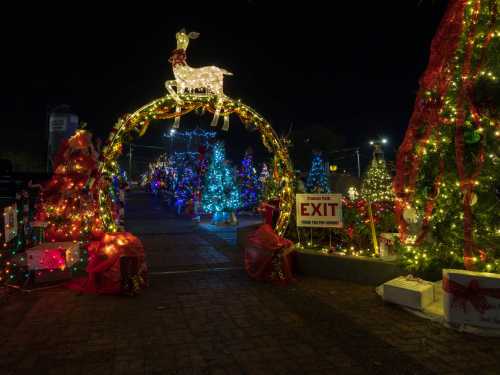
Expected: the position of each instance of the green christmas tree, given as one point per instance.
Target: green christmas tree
(377, 183)
(448, 165)
(269, 184)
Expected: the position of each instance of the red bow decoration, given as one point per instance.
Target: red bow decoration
(178, 57)
(472, 293)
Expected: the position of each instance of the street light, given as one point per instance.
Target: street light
(380, 140)
(378, 153)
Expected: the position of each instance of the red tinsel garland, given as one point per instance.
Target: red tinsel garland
(438, 76)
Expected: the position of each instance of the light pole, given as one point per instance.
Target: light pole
(378, 154)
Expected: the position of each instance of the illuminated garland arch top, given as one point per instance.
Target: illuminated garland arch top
(170, 107)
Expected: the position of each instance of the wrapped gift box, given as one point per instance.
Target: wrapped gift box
(53, 255)
(471, 298)
(410, 292)
(52, 275)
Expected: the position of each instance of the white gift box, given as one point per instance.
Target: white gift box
(414, 293)
(53, 255)
(471, 298)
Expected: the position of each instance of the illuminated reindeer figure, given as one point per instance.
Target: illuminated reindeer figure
(208, 78)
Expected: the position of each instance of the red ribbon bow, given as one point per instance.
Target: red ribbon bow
(472, 293)
(178, 57)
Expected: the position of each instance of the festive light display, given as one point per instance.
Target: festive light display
(317, 180)
(169, 107)
(356, 235)
(377, 183)
(220, 193)
(448, 164)
(249, 183)
(178, 178)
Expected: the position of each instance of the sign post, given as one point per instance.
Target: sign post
(372, 228)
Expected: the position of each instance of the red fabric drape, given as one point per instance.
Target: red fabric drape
(268, 257)
(104, 266)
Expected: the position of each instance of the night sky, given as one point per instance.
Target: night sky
(351, 66)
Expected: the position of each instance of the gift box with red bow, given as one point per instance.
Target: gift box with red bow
(471, 298)
(52, 256)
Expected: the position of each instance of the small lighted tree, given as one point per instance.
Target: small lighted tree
(220, 194)
(377, 183)
(317, 180)
(249, 182)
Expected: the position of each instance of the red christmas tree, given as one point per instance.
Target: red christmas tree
(67, 202)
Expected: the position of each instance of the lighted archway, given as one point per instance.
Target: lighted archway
(165, 108)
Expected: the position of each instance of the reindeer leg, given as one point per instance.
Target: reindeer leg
(170, 88)
(177, 119)
(225, 126)
(215, 119)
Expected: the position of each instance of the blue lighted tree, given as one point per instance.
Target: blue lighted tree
(249, 182)
(317, 180)
(185, 189)
(220, 194)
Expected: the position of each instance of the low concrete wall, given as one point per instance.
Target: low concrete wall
(369, 271)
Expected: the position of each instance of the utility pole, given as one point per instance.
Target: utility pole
(349, 150)
(130, 161)
(359, 164)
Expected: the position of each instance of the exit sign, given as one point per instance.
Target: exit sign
(319, 210)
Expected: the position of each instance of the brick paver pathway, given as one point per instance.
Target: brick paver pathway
(219, 322)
